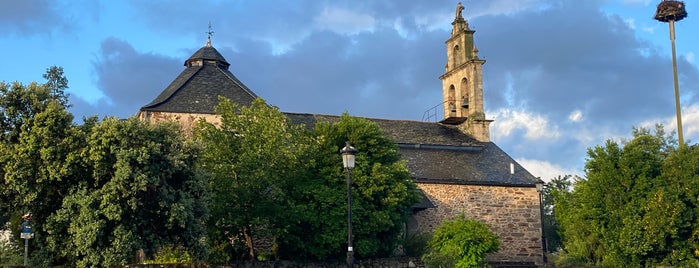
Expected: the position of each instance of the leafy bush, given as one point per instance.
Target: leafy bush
(461, 243)
(171, 254)
(10, 254)
(415, 245)
(219, 253)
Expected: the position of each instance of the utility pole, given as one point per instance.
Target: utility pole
(671, 11)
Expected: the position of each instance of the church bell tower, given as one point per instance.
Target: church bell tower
(462, 82)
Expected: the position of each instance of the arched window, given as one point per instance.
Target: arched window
(464, 93)
(455, 56)
(451, 99)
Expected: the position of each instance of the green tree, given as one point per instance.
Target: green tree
(97, 191)
(140, 192)
(18, 106)
(36, 135)
(251, 158)
(670, 224)
(57, 83)
(382, 194)
(272, 179)
(461, 243)
(557, 188)
(635, 208)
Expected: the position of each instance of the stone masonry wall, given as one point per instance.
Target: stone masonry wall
(511, 212)
(186, 120)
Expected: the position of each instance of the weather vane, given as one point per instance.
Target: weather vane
(210, 33)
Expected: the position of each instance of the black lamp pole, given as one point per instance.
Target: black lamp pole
(348, 155)
(540, 189)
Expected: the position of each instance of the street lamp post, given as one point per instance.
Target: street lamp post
(540, 189)
(348, 154)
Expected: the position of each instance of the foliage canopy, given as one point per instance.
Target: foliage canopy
(287, 180)
(98, 191)
(382, 194)
(638, 206)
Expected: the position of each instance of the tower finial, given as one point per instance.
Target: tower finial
(210, 33)
(459, 8)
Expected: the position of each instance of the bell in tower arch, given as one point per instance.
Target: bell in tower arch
(465, 103)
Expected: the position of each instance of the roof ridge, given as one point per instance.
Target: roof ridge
(236, 81)
(177, 88)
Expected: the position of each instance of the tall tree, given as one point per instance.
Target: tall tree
(97, 191)
(250, 157)
(18, 105)
(669, 227)
(634, 209)
(382, 194)
(36, 134)
(288, 182)
(57, 84)
(557, 189)
(141, 192)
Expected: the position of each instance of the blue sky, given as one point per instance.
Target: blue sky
(561, 75)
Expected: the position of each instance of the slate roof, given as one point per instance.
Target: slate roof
(197, 88)
(439, 153)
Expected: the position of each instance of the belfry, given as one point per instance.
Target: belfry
(462, 82)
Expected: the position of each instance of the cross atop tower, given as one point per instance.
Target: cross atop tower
(210, 33)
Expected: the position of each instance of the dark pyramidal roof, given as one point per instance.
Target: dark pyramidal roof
(197, 88)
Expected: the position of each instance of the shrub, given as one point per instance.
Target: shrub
(415, 245)
(171, 254)
(461, 243)
(10, 254)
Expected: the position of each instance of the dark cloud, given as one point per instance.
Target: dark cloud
(379, 74)
(82, 109)
(570, 57)
(567, 57)
(29, 17)
(131, 79)
(230, 19)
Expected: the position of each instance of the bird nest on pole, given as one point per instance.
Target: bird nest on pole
(670, 10)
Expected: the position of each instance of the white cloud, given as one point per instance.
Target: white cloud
(690, 122)
(535, 126)
(631, 22)
(547, 170)
(576, 116)
(689, 57)
(344, 21)
(649, 29)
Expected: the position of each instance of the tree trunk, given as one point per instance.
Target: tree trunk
(249, 243)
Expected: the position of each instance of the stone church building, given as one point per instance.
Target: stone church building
(453, 162)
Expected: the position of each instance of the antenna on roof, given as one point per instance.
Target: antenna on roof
(210, 33)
